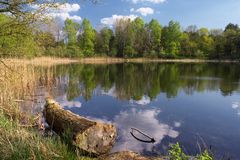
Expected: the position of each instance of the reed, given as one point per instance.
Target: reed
(19, 128)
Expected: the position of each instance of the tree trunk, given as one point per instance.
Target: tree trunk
(92, 137)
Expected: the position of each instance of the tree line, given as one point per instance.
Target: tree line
(127, 39)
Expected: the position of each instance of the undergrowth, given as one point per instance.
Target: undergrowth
(176, 153)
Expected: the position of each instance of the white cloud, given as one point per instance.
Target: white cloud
(63, 16)
(112, 20)
(69, 7)
(177, 124)
(64, 10)
(61, 12)
(151, 1)
(132, 10)
(145, 11)
(236, 106)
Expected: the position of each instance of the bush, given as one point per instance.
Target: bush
(176, 153)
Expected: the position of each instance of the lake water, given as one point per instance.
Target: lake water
(197, 105)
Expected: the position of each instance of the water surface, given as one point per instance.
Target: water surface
(197, 105)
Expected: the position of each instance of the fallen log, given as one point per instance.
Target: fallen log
(92, 137)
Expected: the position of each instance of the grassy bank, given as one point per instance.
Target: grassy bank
(19, 131)
(107, 60)
(48, 61)
(17, 142)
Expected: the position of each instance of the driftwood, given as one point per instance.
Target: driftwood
(92, 137)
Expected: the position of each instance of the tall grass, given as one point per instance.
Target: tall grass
(19, 86)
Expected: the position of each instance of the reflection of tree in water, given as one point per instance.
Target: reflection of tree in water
(133, 81)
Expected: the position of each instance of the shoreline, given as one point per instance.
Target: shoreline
(106, 60)
(49, 61)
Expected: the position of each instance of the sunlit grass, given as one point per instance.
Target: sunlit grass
(18, 139)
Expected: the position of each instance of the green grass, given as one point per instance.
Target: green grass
(17, 142)
(176, 153)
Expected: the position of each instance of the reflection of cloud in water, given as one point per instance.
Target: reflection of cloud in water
(177, 124)
(144, 101)
(62, 100)
(236, 106)
(111, 92)
(145, 120)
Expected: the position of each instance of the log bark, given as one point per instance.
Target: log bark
(92, 137)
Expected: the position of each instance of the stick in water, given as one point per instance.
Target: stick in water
(151, 139)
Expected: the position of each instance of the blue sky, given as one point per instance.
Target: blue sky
(203, 13)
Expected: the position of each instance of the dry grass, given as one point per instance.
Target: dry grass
(40, 61)
(50, 61)
(19, 83)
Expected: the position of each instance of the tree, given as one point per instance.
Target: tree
(86, 38)
(188, 47)
(124, 38)
(71, 28)
(138, 34)
(171, 37)
(231, 26)
(205, 42)
(103, 40)
(16, 40)
(155, 33)
(20, 8)
(45, 39)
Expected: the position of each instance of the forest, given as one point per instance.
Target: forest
(34, 36)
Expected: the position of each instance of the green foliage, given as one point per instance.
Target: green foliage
(18, 40)
(155, 31)
(176, 153)
(71, 28)
(204, 156)
(138, 34)
(103, 40)
(124, 38)
(87, 38)
(128, 39)
(171, 37)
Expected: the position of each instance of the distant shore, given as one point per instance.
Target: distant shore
(103, 60)
(46, 61)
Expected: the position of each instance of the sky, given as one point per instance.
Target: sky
(203, 13)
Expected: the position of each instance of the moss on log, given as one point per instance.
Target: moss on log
(92, 137)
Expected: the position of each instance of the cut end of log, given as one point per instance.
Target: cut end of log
(92, 137)
(97, 139)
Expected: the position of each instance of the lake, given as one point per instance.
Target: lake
(197, 105)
